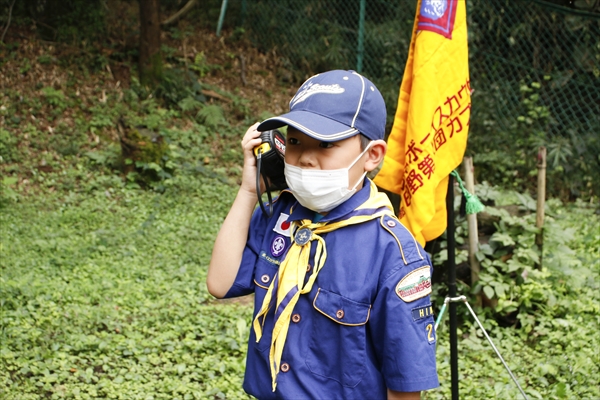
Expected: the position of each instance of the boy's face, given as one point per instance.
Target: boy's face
(305, 152)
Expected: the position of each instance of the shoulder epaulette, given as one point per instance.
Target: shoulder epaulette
(408, 245)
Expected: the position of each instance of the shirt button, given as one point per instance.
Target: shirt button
(339, 314)
(391, 223)
(265, 278)
(285, 367)
(296, 318)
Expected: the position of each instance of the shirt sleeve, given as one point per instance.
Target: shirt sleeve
(402, 327)
(244, 280)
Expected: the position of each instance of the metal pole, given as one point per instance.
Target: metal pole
(450, 232)
(361, 37)
(495, 349)
(244, 11)
(221, 17)
(464, 300)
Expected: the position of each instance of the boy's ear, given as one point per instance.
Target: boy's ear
(375, 155)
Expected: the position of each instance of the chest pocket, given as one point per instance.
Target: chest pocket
(264, 273)
(338, 346)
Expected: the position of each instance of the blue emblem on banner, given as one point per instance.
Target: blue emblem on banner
(434, 9)
(437, 16)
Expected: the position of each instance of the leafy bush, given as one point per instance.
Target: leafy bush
(544, 319)
(178, 84)
(66, 20)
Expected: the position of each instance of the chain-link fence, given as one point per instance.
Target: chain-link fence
(534, 66)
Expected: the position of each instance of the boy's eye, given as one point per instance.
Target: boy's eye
(292, 141)
(326, 145)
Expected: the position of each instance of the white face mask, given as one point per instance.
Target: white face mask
(321, 190)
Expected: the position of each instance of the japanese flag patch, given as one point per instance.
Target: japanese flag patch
(415, 284)
(282, 226)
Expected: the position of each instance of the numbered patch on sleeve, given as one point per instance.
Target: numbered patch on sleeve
(430, 333)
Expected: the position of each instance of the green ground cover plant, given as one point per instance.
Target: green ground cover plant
(103, 296)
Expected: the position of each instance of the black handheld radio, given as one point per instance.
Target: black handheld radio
(269, 164)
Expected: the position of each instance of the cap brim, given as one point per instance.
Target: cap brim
(311, 124)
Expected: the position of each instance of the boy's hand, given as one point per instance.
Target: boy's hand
(250, 140)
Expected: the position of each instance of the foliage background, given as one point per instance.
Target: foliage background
(534, 66)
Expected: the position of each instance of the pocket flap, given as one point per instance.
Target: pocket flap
(341, 309)
(264, 274)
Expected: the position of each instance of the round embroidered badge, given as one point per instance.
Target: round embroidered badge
(278, 246)
(433, 9)
(303, 236)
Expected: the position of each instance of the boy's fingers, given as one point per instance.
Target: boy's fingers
(251, 135)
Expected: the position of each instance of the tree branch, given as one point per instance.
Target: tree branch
(8, 22)
(190, 4)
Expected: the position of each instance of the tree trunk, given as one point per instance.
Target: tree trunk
(150, 63)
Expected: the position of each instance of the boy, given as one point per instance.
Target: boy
(342, 306)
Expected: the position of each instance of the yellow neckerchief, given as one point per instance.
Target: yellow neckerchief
(289, 282)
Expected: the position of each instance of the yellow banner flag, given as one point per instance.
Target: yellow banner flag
(429, 135)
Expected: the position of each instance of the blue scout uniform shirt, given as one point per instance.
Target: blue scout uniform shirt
(367, 325)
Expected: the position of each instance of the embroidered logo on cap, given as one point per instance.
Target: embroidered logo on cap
(415, 285)
(282, 226)
(312, 88)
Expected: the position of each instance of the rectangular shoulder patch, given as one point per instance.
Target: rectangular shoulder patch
(415, 284)
(422, 312)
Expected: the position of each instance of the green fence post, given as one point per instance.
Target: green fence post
(244, 9)
(221, 17)
(361, 37)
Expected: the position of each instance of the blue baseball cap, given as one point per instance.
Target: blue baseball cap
(334, 105)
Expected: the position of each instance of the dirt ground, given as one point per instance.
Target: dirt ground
(233, 66)
(48, 87)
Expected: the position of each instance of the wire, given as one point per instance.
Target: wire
(464, 300)
(269, 213)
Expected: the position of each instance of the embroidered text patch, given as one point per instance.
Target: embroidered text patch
(415, 285)
(268, 259)
(422, 312)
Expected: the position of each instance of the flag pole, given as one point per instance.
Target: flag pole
(450, 232)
